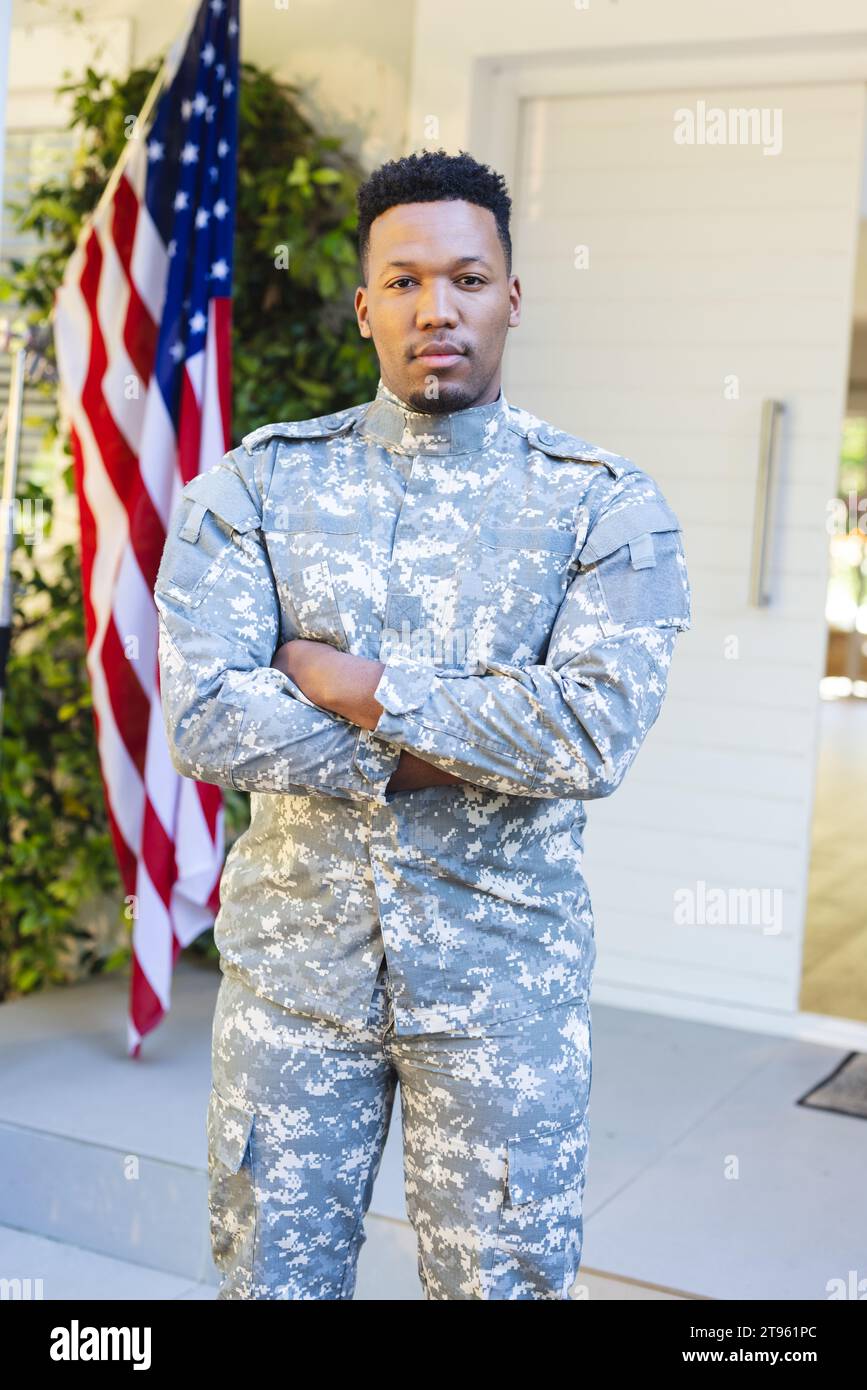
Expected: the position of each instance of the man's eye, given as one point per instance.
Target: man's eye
(404, 280)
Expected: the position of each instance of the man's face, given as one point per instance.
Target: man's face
(438, 303)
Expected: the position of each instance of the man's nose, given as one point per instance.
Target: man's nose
(435, 307)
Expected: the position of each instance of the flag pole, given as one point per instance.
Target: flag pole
(168, 67)
(10, 471)
(116, 173)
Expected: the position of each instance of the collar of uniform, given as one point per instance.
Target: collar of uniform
(389, 421)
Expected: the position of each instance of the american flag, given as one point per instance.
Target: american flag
(142, 326)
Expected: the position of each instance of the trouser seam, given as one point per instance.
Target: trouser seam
(355, 1230)
(255, 1208)
(487, 1285)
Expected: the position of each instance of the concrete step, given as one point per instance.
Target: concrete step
(107, 1154)
(35, 1267)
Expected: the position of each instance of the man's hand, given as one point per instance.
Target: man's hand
(344, 684)
(412, 772)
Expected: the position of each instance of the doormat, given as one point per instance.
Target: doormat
(845, 1090)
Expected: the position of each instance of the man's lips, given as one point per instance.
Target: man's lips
(440, 355)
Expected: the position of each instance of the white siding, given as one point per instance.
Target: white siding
(705, 261)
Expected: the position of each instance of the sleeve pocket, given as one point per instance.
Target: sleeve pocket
(637, 559)
(212, 508)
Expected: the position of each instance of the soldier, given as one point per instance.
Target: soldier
(421, 633)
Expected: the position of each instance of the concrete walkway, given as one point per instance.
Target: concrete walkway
(706, 1179)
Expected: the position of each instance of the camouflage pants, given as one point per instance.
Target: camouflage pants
(495, 1135)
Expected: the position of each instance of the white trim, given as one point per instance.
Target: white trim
(499, 84)
(827, 1029)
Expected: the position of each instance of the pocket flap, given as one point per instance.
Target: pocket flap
(541, 1165)
(229, 1128)
(222, 492)
(529, 538)
(628, 525)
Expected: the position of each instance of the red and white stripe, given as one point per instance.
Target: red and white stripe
(130, 463)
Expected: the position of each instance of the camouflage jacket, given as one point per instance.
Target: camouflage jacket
(524, 589)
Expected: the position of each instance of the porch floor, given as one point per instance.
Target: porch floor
(705, 1178)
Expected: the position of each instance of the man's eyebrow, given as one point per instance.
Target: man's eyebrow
(461, 260)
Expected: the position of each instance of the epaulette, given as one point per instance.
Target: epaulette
(320, 427)
(560, 444)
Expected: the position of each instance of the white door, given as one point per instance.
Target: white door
(714, 276)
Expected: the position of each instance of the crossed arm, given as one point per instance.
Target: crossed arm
(344, 683)
(569, 727)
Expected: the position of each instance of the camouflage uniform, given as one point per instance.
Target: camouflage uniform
(495, 1140)
(524, 589)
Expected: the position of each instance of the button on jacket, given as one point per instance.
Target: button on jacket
(524, 590)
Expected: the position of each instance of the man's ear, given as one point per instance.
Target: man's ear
(361, 312)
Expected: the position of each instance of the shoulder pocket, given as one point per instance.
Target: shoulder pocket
(222, 492)
(213, 508)
(638, 564)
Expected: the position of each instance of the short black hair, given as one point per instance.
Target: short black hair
(432, 176)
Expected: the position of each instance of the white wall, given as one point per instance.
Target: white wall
(451, 34)
(5, 25)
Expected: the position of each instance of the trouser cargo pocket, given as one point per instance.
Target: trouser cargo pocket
(231, 1193)
(537, 1249)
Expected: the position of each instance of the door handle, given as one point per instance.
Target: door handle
(765, 498)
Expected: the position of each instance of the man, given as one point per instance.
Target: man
(421, 632)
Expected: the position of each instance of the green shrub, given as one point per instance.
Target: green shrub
(296, 353)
